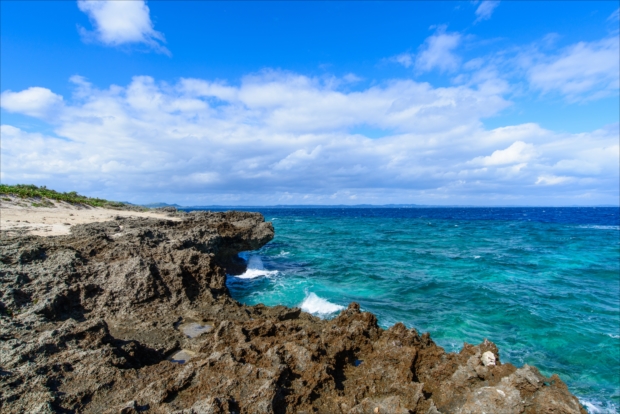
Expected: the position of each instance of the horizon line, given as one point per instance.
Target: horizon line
(156, 205)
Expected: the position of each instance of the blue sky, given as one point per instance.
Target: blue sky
(258, 103)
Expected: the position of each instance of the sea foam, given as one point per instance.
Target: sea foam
(597, 407)
(319, 306)
(256, 269)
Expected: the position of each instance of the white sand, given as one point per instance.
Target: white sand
(20, 215)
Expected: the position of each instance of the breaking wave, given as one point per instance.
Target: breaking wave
(256, 269)
(319, 306)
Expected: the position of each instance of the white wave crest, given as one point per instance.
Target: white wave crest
(318, 306)
(254, 273)
(256, 269)
(596, 407)
(600, 227)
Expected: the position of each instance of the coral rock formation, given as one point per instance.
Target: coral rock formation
(92, 321)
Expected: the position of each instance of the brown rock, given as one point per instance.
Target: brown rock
(89, 321)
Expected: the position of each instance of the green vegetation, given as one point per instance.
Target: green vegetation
(32, 191)
(44, 203)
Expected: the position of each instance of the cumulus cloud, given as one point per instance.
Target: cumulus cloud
(583, 71)
(518, 152)
(290, 102)
(35, 101)
(34, 155)
(121, 22)
(485, 9)
(438, 52)
(280, 137)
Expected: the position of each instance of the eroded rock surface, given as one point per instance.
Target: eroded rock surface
(91, 321)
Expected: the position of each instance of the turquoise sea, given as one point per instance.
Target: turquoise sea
(542, 283)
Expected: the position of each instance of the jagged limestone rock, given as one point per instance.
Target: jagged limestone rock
(90, 322)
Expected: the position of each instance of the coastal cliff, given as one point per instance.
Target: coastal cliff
(133, 315)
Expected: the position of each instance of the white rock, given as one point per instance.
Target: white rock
(488, 359)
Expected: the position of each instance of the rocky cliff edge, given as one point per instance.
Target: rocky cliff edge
(133, 315)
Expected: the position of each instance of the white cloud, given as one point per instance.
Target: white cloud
(485, 9)
(438, 52)
(297, 158)
(280, 137)
(35, 154)
(551, 180)
(351, 78)
(291, 102)
(580, 72)
(518, 152)
(583, 71)
(35, 101)
(406, 59)
(202, 178)
(121, 22)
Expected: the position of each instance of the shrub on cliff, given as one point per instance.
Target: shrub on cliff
(32, 191)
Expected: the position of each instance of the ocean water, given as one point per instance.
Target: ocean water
(542, 283)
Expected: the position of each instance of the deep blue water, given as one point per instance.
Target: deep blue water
(542, 283)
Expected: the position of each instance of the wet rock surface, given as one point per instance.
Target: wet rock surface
(97, 322)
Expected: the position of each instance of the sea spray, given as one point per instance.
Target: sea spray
(256, 269)
(319, 306)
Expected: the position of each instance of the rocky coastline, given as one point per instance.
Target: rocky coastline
(133, 315)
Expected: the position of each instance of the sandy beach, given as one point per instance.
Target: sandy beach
(56, 218)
